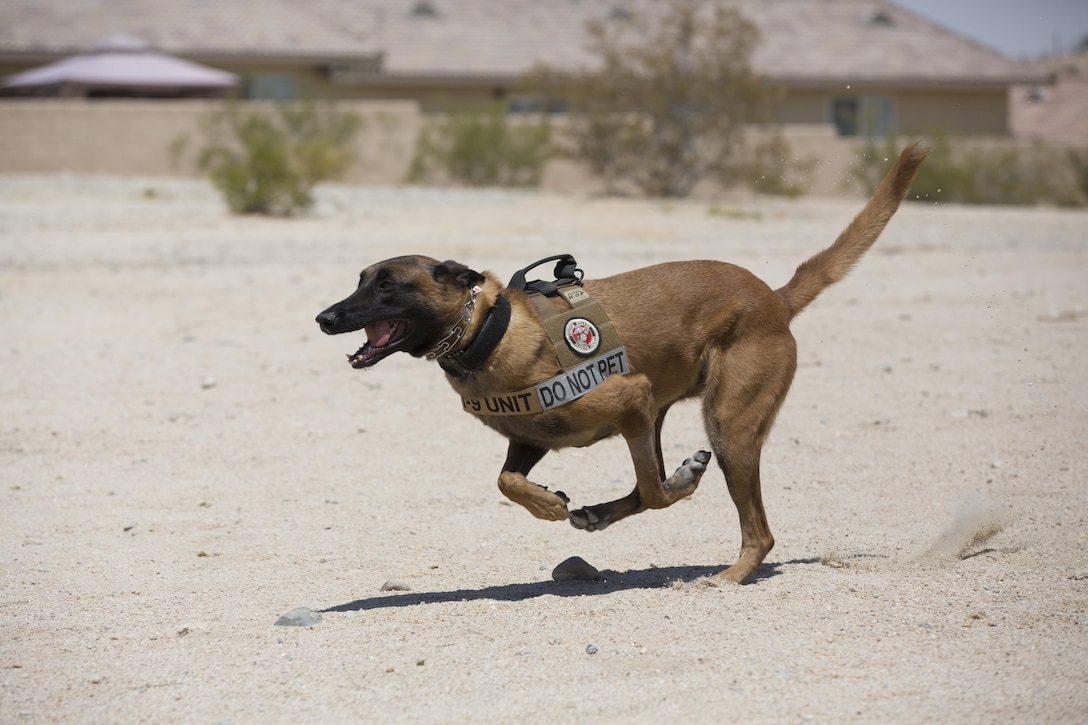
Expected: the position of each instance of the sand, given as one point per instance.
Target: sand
(184, 458)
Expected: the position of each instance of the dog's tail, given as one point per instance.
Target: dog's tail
(831, 265)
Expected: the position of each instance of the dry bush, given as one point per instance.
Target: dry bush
(669, 100)
(268, 160)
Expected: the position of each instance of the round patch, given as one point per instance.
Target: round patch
(582, 336)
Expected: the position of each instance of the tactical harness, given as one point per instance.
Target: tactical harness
(587, 347)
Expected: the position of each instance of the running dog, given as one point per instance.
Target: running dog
(690, 329)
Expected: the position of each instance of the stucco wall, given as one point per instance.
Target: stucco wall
(951, 111)
(152, 138)
(156, 138)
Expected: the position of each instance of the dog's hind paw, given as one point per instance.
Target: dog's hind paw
(587, 519)
(697, 463)
(690, 471)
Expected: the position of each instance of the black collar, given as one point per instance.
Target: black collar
(475, 354)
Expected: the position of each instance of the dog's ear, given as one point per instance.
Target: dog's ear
(450, 272)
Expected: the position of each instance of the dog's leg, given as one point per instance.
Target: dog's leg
(658, 424)
(681, 484)
(539, 501)
(745, 389)
(631, 396)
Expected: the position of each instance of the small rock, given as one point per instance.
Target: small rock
(591, 649)
(299, 617)
(395, 585)
(575, 569)
(129, 526)
(208, 383)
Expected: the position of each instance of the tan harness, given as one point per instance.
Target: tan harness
(587, 348)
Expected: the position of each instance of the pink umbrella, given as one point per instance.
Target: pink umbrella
(121, 66)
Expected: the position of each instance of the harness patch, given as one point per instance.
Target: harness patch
(582, 336)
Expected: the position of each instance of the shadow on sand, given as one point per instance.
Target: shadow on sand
(610, 582)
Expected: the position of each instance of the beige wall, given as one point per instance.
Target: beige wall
(963, 111)
(135, 138)
(141, 138)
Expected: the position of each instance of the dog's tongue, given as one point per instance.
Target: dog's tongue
(378, 334)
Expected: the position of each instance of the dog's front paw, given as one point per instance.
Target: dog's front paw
(539, 501)
(587, 519)
(545, 504)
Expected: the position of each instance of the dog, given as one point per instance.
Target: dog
(690, 329)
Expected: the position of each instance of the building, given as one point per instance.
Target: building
(864, 67)
(1055, 113)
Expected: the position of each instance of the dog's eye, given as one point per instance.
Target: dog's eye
(386, 285)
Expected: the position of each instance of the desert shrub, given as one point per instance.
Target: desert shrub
(1078, 162)
(981, 174)
(268, 160)
(762, 165)
(667, 102)
(481, 146)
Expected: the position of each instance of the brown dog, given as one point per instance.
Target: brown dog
(699, 328)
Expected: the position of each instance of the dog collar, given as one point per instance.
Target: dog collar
(445, 345)
(473, 356)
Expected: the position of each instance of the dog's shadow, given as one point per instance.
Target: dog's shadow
(610, 582)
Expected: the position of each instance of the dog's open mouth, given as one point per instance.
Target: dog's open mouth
(382, 338)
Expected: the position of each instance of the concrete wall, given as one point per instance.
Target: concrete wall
(951, 111)
(162, 138)
(967, 111)
(154, 138)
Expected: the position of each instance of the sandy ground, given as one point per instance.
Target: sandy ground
(184, 457)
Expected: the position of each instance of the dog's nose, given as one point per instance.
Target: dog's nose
(327, 320)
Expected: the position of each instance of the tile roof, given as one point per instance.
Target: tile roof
(802, 40)
(1054, 113)
(194, 28)
(868, 40)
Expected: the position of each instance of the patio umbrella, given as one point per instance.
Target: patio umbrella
(121, 66)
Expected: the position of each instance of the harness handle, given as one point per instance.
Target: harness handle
(566, 273)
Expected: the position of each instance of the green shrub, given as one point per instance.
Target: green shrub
(982, 174)
(267, 161)
(480, 146)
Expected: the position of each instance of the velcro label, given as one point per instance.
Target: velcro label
(564, 388)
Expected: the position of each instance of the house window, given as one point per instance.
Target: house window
(863, 116)
(535, 104)
(424, 10)
(271, 87)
